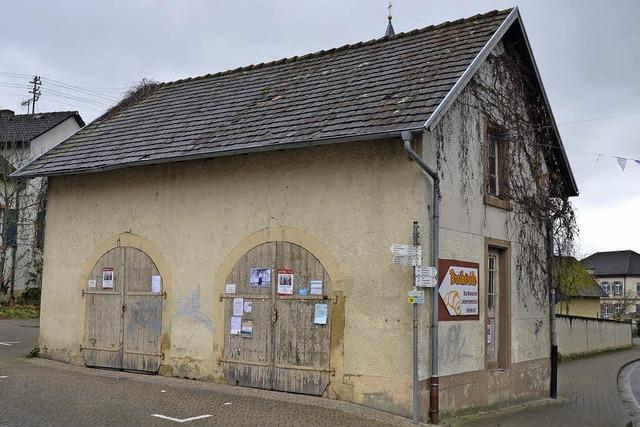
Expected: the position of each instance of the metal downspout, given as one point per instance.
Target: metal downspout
(553, 383)
(434, 405)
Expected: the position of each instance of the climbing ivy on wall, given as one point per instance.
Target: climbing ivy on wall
(504, 96)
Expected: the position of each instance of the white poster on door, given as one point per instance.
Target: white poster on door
(156, 284)
(107, 277)
(285, 282)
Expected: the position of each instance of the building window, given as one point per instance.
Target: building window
(617, 288)
(493, 167)
(605, 287)
(637, 308)
(40, 229)
(493, 308)
(12, 228)
(605, 311)
(638, 288)
(617, 308)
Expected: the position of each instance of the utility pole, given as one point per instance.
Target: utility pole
(35, 92)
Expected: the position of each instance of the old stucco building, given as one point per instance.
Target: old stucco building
(236, 227)
(24, 137)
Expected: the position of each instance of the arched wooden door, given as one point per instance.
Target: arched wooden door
(123, 316)
(277, 306)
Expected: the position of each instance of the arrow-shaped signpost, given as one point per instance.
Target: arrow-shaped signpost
(424, 277)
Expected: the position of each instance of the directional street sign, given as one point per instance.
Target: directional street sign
(416, 297)
(406, 254)
(426, 277)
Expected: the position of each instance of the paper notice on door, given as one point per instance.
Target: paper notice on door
(230, 288)
(107, 277)
(238, 306)
(236, 325)
(248, 306)
(92, 283)
(260, 277)
(156, 284)
(315, 287)
(320, 314)
(285, 282)
(247, 328)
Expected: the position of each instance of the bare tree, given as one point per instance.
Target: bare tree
(22, 202)
(622, 303)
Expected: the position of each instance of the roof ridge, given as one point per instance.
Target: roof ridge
(347, 46)
(44, 112)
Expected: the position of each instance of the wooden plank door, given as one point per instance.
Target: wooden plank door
(248, 358)
(103, 318)
(142, 325)
(302, 347)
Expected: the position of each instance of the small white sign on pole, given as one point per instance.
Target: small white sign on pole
(416, 297)
(408, 255)
(426, 277)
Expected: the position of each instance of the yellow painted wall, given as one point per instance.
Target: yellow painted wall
(345, 203)
(585, 307)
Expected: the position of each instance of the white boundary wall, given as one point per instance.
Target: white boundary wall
(583, 335)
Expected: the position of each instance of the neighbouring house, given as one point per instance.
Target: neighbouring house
(235, 227)
(24, 137)
(618, 274)
(578, 292)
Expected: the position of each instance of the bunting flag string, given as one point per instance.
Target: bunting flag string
(622, 161)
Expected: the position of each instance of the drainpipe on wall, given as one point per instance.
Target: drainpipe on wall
(434, 405)
(553, 386)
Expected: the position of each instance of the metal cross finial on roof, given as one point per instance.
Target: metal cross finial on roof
(390, 32)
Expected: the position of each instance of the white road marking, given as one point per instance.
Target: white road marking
(3, 376)
(8, 343)
(178, 420)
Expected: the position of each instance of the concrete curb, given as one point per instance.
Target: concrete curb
(484, 415)
(626, 393)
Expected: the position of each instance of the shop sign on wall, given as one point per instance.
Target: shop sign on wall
(459, 290)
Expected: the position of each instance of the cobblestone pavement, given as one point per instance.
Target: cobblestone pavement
(35, 392)
(40, 392)
(590, 387)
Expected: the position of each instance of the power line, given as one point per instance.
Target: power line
(613, 116)
(76, 98)
(80, 89)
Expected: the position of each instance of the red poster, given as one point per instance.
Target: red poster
(285, 282)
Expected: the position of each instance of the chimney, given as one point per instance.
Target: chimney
(4, 113)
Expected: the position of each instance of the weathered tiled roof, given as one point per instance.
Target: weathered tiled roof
(23, 128)
(614, 263)
(383, 85)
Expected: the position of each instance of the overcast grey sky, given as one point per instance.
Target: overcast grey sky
(588, 52)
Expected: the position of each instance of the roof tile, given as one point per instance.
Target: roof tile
(381, 85)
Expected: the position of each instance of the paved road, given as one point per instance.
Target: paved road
(589, 388)
(39, 392)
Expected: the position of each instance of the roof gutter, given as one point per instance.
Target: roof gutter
(229, 152)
